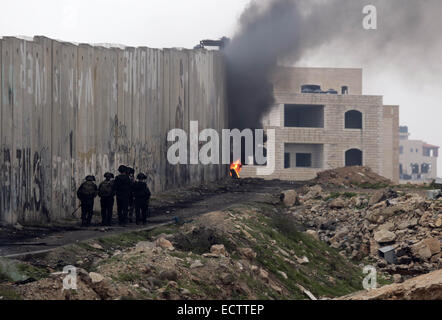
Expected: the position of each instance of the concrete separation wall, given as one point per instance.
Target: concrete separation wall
(71, 110)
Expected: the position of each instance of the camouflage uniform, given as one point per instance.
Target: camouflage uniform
(86, 193)
(106, 193)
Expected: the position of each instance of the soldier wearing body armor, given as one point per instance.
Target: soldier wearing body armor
(86, 193)
(141, 194)
(131, 173)
(122, 187)
(106, 193)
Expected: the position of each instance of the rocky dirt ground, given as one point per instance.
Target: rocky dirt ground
(359, 223)
(248, 251)
(267, 240)
(424, 287)
(165, 207)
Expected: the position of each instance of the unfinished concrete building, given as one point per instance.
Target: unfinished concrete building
(323, 121)
(417, 159)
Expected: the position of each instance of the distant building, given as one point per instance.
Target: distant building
(323, 121)
(417, 159)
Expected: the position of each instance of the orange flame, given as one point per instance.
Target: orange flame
(235, 169)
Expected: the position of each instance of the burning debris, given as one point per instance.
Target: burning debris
(235, 169)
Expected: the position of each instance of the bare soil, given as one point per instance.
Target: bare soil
(167, 207)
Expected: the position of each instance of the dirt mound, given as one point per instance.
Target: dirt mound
(425, 287)
(250, 252)
(362, 177)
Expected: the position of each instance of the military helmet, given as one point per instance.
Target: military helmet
(141, 176)
(90, 178)
(109, 175)
(122, 169)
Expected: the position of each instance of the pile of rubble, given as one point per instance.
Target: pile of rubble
(351, 177)
(244, 252)
(402, 231)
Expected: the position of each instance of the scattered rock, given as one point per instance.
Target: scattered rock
(290, 198)
(211, 255)
(337, 203)
(96, 277)
(313, 233)
(329, 225)
(218, 249)
(358, 231)
(170, 275)
(144, 246)
(276, 288)
(389, 226)
(314, 193)
(421, 250)
(227, 278)
(264, 275)
(96, 246)
(341, 233)
(377, 197)
(413, 223)
(283, 274)
(164, 244)
(404, 225)
(147, 269)
(397, 278)
(433, 244)
(154, 282)
(196, 264)
(185, 291)
(303, 260)
(247, 234)
(384, 236)
(248, 253)
(382, 195)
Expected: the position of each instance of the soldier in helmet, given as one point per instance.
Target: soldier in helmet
(141, 194)
(131, 173)
(86, 193)
(122, 187)
(106, 193)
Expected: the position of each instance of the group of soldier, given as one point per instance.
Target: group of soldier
(132, 196)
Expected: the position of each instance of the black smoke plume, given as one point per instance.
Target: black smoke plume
(408, 35)
(252, 56)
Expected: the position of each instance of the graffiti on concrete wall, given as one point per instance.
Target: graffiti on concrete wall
(68, 111)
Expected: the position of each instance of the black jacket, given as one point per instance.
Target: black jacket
(122, 186)
(87, 191)
(140, 190)
(106, 189)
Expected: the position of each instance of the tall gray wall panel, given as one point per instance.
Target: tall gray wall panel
(68, 110)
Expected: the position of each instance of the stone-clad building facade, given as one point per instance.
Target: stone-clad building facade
(316, 130)
(417, 159)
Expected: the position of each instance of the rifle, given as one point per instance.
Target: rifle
(73, 213)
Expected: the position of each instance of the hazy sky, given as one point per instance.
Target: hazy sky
(152, 23)
(183, 23)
